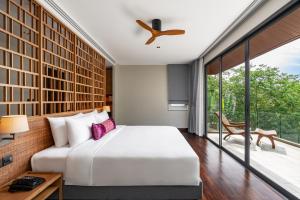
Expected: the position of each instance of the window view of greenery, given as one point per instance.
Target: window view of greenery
(213, 106)
(233, 106)
(213, 100)
(275, 91)
(233, 93)
(232, 102)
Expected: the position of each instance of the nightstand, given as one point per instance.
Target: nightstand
(52, 184)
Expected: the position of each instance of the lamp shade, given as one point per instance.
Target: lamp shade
(13, 124)
(106, 108)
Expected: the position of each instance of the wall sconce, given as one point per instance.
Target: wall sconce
(13, 124)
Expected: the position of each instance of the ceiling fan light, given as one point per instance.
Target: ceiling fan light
(156, 24)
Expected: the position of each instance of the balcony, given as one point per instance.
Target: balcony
(280, 164)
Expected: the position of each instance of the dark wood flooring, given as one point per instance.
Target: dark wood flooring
(225, 178)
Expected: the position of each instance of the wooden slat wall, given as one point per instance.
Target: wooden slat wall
(84, 75)
(57, 66)
(99, 80)
(19, 69)
(44, 69)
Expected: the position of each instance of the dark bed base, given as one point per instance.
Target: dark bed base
(132, 192)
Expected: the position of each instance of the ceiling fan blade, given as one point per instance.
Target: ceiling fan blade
(150, 40)
(144, 25)
(172, 32)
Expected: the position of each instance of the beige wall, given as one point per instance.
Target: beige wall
(140, 97)
(265, 11)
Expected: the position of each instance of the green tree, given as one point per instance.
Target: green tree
(274, 98)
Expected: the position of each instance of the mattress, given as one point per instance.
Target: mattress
(128, 156)
(52, 159)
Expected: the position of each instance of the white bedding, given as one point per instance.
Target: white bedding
(52, 159)
(130, 156)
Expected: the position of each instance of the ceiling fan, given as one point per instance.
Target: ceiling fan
(156, 31)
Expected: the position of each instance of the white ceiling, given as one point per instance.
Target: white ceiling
(112, 24)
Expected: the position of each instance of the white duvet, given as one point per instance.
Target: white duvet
(133, 156)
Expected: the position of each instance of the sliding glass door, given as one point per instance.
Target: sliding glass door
(275, 101)
(233, 101)
(257, 83)
(213, 100)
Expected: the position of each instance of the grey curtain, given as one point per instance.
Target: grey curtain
(196, 98)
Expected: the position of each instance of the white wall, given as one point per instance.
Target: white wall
(265, 11)
(140, 97)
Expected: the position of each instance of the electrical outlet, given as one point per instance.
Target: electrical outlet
(6, 160)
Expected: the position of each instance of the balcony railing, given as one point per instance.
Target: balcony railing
(287, 126)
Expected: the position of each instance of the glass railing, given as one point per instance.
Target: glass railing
(287, 126)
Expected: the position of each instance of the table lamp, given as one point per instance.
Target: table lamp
(12, 124)
(106, 108)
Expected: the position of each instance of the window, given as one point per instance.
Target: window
(213, 102)
(258, 85)
(178, 82)
(174, 107)
(274, 101)
(233, 101)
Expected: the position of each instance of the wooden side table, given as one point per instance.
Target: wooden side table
(268, 134)
(52, 184)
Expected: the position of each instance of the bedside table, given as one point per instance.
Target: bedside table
(52, 184)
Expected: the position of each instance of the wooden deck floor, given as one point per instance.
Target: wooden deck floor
(224, 178)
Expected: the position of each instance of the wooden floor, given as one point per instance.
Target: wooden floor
(224, 178)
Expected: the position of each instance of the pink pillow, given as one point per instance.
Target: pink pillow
(99, 130)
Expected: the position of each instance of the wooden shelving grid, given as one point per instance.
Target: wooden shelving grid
(45, 68)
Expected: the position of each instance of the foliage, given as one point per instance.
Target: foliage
(274, 99)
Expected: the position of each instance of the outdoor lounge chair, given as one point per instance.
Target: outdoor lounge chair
(233, 128)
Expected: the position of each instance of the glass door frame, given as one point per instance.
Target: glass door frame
(288, 8)
(247, 105)
(219, 104)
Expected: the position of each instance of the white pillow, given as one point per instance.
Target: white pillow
(79, 129)
(58, 129)
(90, 113)
(101, 117)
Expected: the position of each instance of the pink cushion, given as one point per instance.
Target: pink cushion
(109, 125)
(99, 130)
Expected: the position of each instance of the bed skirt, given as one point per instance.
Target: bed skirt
(131, 192)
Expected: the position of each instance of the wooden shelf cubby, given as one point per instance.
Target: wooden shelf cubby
(45, 68)
(84, 75)
(57, 66)
(99, 80)
(19, 58)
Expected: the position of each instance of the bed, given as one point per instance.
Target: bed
(131, 162)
